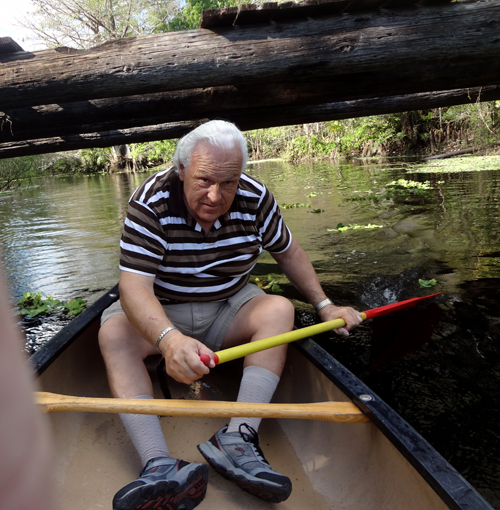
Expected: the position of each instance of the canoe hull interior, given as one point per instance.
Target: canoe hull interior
(332, 466)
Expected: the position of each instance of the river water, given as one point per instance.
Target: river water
(438, 365)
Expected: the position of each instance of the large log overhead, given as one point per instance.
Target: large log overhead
(175, 106)
(247, 119)
(330, 47)
(241, 107)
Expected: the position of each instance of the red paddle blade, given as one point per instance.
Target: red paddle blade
(376, 312)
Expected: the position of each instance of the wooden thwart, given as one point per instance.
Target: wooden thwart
(342, 412)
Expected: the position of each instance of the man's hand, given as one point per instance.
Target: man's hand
(182, 357)
(351, 317)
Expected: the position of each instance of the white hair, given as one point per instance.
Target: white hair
(217, 133)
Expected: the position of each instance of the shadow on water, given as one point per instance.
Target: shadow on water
(438, 365)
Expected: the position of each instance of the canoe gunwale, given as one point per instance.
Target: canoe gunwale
(44, 356)
(453, 489)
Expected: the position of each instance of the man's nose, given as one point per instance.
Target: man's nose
(214, 193)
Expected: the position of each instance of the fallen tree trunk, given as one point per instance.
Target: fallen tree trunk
(102, 139)
(463, 36)
(272, 104)
(246, 119)
(469, 150)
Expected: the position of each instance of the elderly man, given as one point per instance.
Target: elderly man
(192, 235)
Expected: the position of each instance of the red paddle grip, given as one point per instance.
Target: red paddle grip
(205, 359)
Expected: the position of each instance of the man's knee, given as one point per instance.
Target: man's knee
(281, 306)
(113, 334)
(117, 338)
(108, 337)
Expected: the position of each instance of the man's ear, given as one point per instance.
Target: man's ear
(182, 171)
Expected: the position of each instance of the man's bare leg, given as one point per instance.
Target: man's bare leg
(124, 352)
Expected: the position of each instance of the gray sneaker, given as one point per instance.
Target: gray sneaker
(165, 484)
(237, 457)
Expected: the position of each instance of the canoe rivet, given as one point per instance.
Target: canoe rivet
(112, 295)
(365, 398)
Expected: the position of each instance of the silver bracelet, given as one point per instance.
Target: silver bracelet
(322, 304)
(162, 334)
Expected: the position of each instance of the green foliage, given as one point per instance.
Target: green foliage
(32, 305)
(16, 170)
(95, 160)
(151, 154)
(66, 164)
(309, 146)
(371, 132)
(189, 17)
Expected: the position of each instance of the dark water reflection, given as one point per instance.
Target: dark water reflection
(438, 365)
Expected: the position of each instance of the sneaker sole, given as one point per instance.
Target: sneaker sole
(256, 486)
(169, 495)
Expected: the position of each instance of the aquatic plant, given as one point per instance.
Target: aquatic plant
(32, 304)
(268, 284)
(295, 206)
(341, 228)
(411, 185)
(467, 163)
(427, 283)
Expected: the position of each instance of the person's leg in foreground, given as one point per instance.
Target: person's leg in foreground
(25, 446)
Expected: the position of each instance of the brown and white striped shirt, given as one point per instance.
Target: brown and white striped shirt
(161, 239)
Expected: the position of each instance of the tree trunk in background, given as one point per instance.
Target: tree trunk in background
(122, 160)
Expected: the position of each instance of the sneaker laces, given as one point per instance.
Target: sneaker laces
(251, 436)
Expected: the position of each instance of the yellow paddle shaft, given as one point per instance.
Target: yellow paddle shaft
(298, 334)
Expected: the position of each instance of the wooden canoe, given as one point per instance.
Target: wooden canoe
(383, 464)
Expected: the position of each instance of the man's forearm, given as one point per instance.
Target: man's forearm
(141, 306)
(299, 270)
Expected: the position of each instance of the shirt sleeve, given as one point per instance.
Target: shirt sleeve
(276, 237)
(142, 245)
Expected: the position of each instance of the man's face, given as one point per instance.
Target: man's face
(210, 182)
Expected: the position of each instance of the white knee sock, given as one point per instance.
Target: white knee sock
(257, 385)
(146, 434)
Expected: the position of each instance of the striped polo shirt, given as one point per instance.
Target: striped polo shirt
(161, 239)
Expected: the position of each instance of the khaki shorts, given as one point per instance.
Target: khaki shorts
(207, 322)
